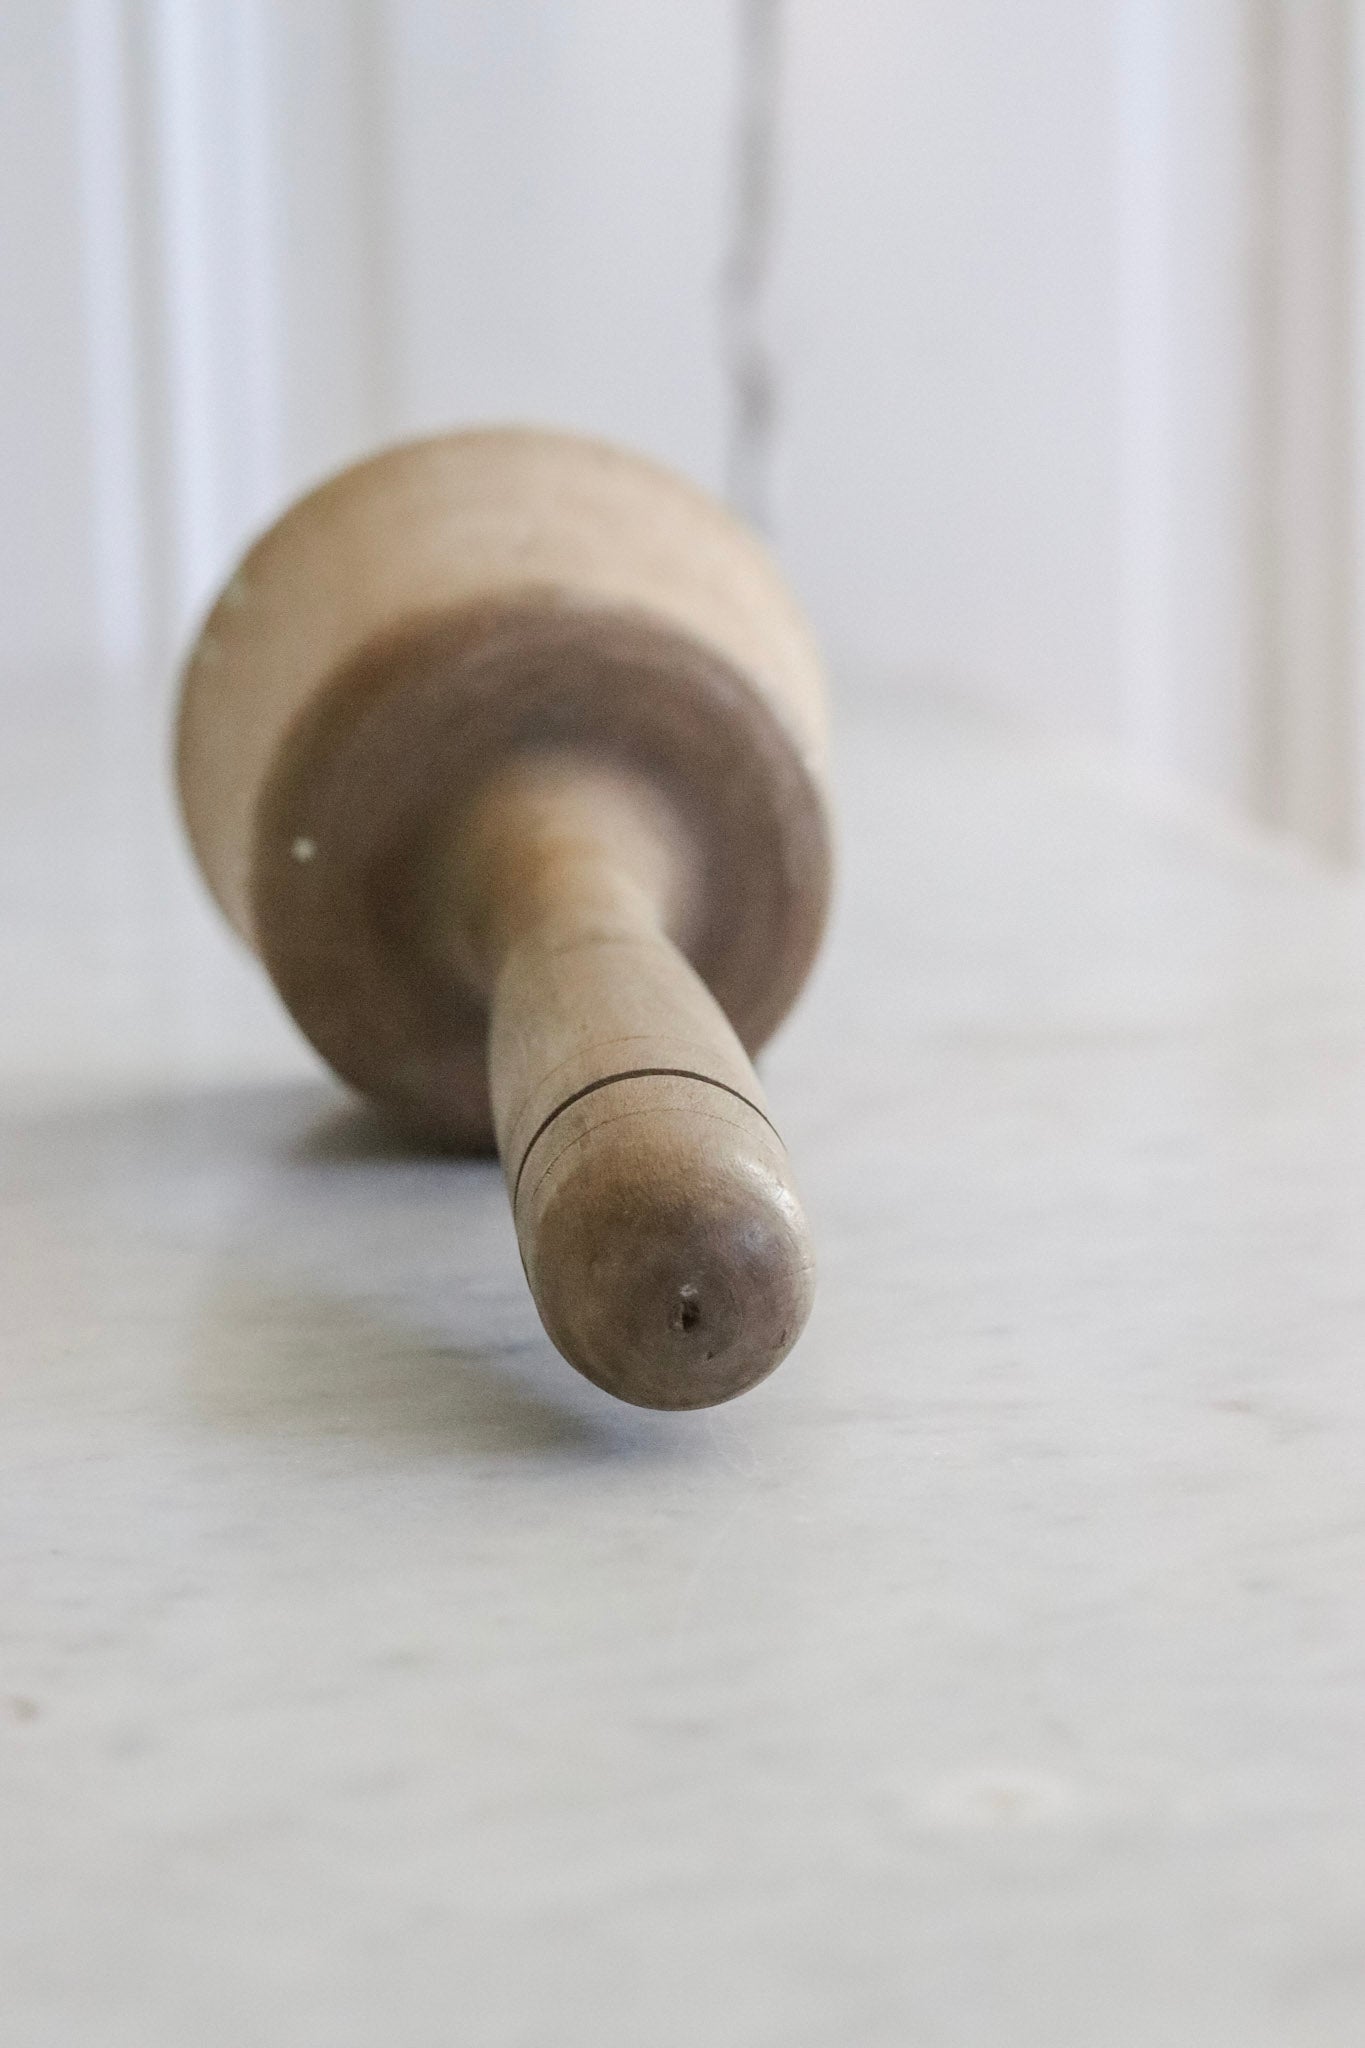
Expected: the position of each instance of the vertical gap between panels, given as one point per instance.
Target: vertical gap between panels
(750, 364)
(1288, 634)
(148, 396)
(381, 380)
(1267, 737)
(1353, 326)
(1304, 711)
(1324, 365)
(117, 480)
(187, 113)
(204, 290)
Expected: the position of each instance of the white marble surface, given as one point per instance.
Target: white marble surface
(995, 1674)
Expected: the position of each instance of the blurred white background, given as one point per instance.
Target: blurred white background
(1025, 329)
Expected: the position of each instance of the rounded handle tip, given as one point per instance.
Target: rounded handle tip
(669, 1256)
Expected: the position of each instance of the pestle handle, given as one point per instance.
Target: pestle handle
(661, 1235)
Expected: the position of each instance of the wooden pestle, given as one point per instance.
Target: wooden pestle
(504, 750)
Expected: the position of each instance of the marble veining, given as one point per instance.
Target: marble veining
(996, 1673)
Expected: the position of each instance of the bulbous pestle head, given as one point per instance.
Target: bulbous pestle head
(504, 750)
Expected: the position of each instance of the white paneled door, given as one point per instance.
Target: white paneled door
(1029, 331)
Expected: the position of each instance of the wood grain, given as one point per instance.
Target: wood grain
(505, 751)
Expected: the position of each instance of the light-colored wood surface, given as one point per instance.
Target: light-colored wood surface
(991, 1674)
(655, 1207)
(508, 746)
